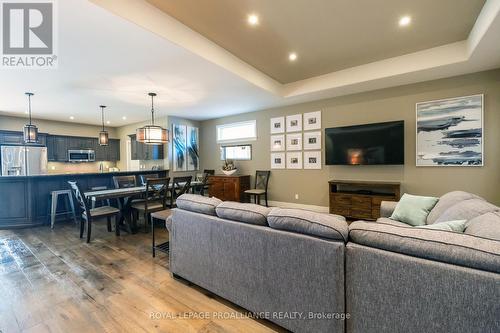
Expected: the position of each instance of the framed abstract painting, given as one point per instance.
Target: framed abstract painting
(450, 132)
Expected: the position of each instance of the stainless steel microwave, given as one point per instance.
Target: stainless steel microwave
(86, 155)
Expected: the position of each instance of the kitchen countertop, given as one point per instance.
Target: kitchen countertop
(80, 174)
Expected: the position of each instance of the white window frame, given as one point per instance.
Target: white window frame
(241, 123)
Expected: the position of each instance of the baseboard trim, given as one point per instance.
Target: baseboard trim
(320, 209)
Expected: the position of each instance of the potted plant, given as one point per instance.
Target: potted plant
(228, 168)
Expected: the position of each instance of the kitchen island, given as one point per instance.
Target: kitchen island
(24, 200)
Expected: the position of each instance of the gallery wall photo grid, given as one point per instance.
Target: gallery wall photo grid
(450, 132)
(296, 141)
(185, 147)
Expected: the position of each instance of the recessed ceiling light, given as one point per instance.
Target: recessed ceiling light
(253, 19)
(108, 122)
(292, 56)
(124, 118)
(71, 117)
(404, 21)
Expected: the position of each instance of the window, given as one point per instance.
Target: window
(244, 131)
(241, 152)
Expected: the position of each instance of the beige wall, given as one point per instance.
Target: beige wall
(377, 106)
(54, 127)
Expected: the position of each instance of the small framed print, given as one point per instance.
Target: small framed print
(294, 141)
(277, 142)
(294, 123)
(294, 160)
(278, 125)
(312, 160)
(312, 120)
(278, 160)
(312, 140)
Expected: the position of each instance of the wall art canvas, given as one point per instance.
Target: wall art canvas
(294, 141)
(192, 149)
(179, 147)
(312, 160)
(277, 142)
(294, 123)
(278, 125)
(294, 160)
(278, 160)
(312, 140)
(312, 120)
(450, 132)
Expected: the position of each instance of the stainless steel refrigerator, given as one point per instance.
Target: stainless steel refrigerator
(23, 160)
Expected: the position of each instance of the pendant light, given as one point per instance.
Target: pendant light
(30, 130)
(103, 135)
(152, 134)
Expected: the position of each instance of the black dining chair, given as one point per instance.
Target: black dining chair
(155, 200)
(261, 184)
(124, 181)
(180, 185)
(144, 178)
(89, 215)
(204, 183)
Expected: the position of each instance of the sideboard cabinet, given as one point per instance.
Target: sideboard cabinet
(228, 188)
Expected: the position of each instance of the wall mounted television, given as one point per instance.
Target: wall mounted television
(370, 144)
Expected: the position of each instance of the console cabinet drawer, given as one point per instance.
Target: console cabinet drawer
(342, 199)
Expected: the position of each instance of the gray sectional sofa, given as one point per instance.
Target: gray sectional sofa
(303, 270)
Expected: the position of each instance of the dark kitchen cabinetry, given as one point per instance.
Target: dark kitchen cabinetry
(17, 138)
(141, 151)
(58, 146)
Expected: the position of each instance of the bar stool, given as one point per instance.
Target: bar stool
(53, 200)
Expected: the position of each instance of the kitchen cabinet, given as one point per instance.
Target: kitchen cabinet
(111, 152)
(141, 151)
(17, 138)
(58, 146)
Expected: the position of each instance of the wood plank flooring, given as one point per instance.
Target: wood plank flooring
(51, 281)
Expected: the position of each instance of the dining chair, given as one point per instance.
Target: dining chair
(204, 183)
(180, 185)
(155, 199)
(124, 181)
(261, 184)
(89, 215)
(144, 178)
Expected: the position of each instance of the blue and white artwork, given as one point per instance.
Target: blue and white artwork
(450, 132)
(179, 147)
(192, 149)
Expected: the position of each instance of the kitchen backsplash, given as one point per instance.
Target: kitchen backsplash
(58, 167)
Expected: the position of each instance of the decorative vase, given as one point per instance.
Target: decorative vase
(229, 172)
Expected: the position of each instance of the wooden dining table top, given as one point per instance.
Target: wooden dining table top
(126, 192)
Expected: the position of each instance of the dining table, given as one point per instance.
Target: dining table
(124, 198)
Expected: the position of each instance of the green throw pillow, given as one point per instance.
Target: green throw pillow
(457, 226)
(413, 209)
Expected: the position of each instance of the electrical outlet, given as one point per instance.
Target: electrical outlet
(296, 196)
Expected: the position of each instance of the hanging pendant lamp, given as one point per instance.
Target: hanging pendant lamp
(30, 130)
(152, 134)
(103, 135)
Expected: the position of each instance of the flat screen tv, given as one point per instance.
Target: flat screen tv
(370, 144)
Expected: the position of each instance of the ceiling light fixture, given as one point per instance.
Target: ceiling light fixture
(103, 135)
(30, 131)
(71, 117)
(152, 134)
(404, 21)
(292, 56)
(253, 19)
(124, 118)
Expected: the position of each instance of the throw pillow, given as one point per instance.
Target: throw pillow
(456, 226)
(413, 209)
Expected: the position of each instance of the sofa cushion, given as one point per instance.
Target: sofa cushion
(243, 212)
(387, 220)
(448, 200)
(198, 203)
(310, 223)
(467, 210)
(444, 246)
(413, 209)
(486, 226)
(456, 226)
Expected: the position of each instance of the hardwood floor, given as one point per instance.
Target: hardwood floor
(51, 281)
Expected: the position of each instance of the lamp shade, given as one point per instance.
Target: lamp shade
(30, 134)
(152, 135)
(103, 138)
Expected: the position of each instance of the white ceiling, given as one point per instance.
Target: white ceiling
(113, 52)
